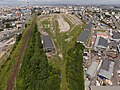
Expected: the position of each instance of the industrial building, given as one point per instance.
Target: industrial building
(91, 72)
(100, 43)
(47, 44)
(83, 37)
(106, 70)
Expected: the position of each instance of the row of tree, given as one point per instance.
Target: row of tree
(74, 68)
(35, 72)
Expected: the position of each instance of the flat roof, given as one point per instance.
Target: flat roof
(83, 36)
(92, 69)
(103, 42)
(100, 41)
(106, 69)
(47, 42)
(105, 64)
(116, 35)
(105, 74)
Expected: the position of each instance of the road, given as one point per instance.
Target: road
(12, 77)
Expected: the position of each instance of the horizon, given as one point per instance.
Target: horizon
(55, 2)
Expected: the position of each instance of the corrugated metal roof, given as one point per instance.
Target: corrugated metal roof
(47, 42)
(105, 64)
(103, 42)
(92, 69)
(100, 41)
(83, 36)
(106, 68)
(105, 74)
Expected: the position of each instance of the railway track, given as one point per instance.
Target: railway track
(12, 77)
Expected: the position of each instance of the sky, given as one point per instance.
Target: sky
(64, 1)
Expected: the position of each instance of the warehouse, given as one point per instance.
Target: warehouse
(106, 70)
(100, 43)
(91, 72)
(47, 44)
(83, 37)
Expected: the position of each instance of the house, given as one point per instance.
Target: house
(47, 44)
(100, 43)
(83, 37)
(106, 70)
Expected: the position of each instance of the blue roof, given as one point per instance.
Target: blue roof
(24, 11)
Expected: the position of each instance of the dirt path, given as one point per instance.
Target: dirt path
(12, 77)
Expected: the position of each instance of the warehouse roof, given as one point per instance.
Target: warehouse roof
(47, 42)
(105, 64)
(107, 68)
(105, 74)
(100, 41)
(92, 69)
(103, 42)
(83, 36)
